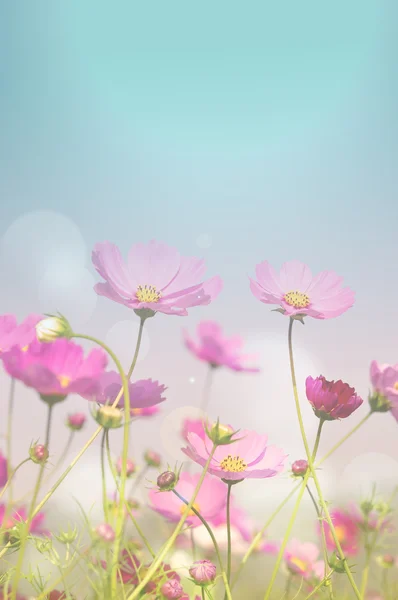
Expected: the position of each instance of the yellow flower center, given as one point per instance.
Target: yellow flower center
(64, 380)
(191, 513)
(25, 348)
(136, 411)
(340, 533)
(396, 386)
(297, 299)
(297, 562)
(147, 293)
(233, 464)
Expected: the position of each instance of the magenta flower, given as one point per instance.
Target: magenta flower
(20, 514)
(56, 369)
(384, 379)
(3, 470)
(301, 558)
(248, 457)
(155, 278)
(12, 334)
(203, 572)
(144, 393)
(331, 399)
(297, 292)
(193, 426)
(347, 531)
(148, 411)
(217, 350)
(210, 500)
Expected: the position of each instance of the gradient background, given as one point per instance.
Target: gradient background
(236, 133)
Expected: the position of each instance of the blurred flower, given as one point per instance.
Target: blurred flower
(105, 532)
(371, 520)
(210, 500)
(149, 411)
(297, 292)
(301, 557)
(128, 567)
(218, 350)
(57, 595)
(387, 561)
(152, 458)
(12, 334)
(347, 532)
(250, 457)
(38, 453)
(193, 426)
(130, 467)
(156, 278)
(56, 369)
(172, 589)
(203, 572)
(3, 470)
(384, 379)
(76, 421)
(331, 399)
(21, 515)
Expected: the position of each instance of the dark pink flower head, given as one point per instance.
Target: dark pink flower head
(203, 572)
(129, 566)
(347, 531)
(12, 334)
(218, 350)
(248, 457)
(144, 393)
(301, 557)
(297, 292)
(210, 500)
(156, 277)
(3, 470)
(172, 589)
(76, 421)
(384, 379)
(331, 399)
(56, 369)
(20, 514)
(193, 426)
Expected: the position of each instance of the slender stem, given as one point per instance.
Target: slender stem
(344, 439)
(193, 546)
(319, 515)
(203, 593)
(318, 587)
(103, 479)
(288, 586)
(311, 466)
(26, 529)
(10, 478)
(207, 388)
(365, 573)
(156, 563)
(229, 532)
(213, 539)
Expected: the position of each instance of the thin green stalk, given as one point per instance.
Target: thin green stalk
(26, 528)
(103, 480)
(318, 587)
(203, 593)
(288, 586)
(170, 542)
(213, 539)
(324, 545)
(311, 467)
(343, 439)
(10, 478)
(229, 563)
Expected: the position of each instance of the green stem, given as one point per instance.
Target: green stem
(365, 573)
(26, 528)
(10, 477)
(156, 563)
(344, 439)
(288, 586)
(324, 545)
(203, 593)
(213, 539)
(312, 469)
(229, 532)
(318, 587)
(103, 480)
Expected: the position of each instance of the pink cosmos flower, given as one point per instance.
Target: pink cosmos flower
(384, 379)
(20, 514)
(12, 334)
(3, 470)
(248, 457)
(297, 292)
(144, 393)
(193, 426)
(218, 350)
(331, 399)
(56, 369)
(301, 558)
(347, 531)
(210, 500)
(156, 277)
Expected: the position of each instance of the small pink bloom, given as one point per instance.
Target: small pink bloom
(296, 291)
(210, 500)
(248, 457)
(193, 426)
(76, 421)
(3, 470)
(203, 572)
(172, 589)
(301, 557)
(331, 399)
(156, 277)
(56, 369)
(347, 531)
(105, 532)
(384, 379)
(20, 514)
(130, 467)
(152, 458)
(12, 334)
(218, 350)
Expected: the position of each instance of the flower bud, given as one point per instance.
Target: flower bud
(172, 589)
(387, 561)
(105, 532)
(39, 454)
(220, 435)
(67, 537)
(109, 417)
(52, 328)
(76, 421)
(299, 467)
(152, 459)
(382, 508)
(336, 563)
(167, 481)
(366, 507)
(203, 572)
(379, 403)
(130, 467)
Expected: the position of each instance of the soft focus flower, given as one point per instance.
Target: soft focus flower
(297, 292)
(172, 589)
(300, 467)
(12, 334)
(3, 470)
(248, 457)
(38, 453)
(347, 532)
(384, 379)
(57, 369)
(387, 561)
(152, 458)
(57, 595)
(218, 350)
(130, 467)
(148, 411)
(210, 500)
(105, 532)
(371, 520)
(203, 572)
(52, 328)
(128, 567)
(144, 393)
(20, 515)
(301, 557)
(193, 426)
(331, 399)
(76, 421)
(155, 278)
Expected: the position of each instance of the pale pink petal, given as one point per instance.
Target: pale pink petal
(269, 280)
(190, 273)
(294, 276)
(109, 263)
(154, 264)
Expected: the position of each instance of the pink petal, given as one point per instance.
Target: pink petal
(109, 263)
(154, 264)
